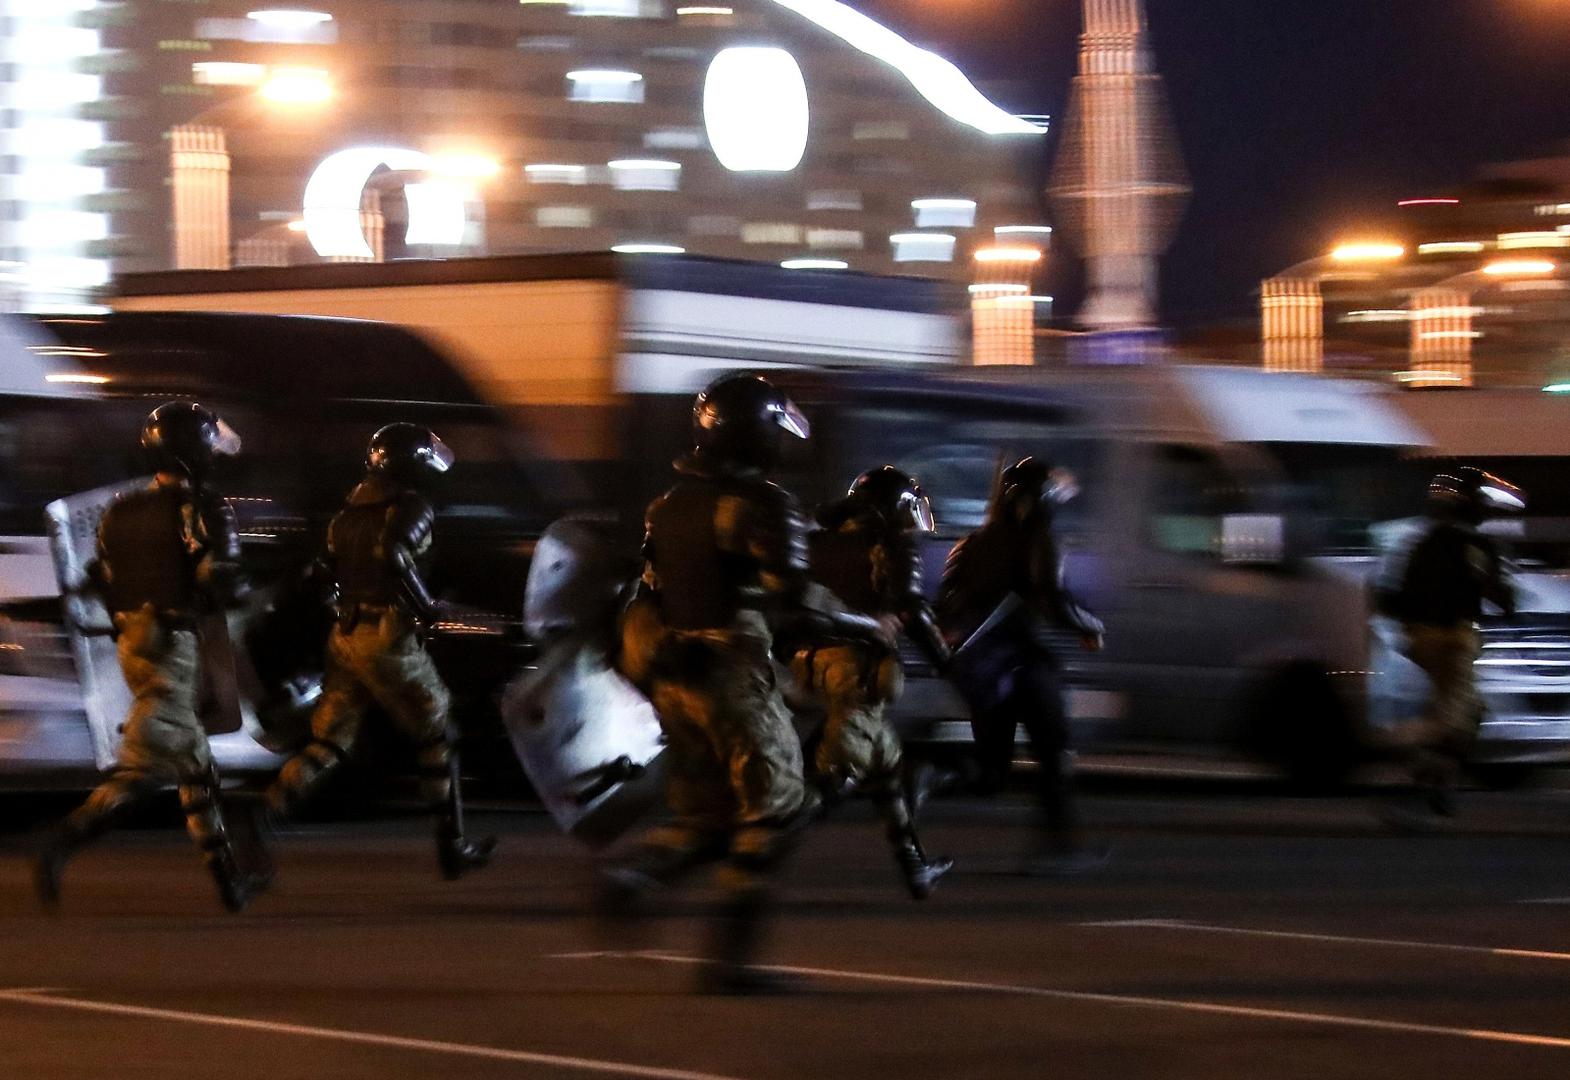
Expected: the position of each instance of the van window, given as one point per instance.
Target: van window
(1191, 491)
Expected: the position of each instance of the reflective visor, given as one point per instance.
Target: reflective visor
(440, 454)
(227, 442)
(1062, 485)
(787, 416)
(918, 510)
(1499, 494)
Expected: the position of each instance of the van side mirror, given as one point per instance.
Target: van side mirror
(1253, 539)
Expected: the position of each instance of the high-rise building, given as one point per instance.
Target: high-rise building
(210, 133)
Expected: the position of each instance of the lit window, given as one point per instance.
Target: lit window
(564, 217)
(944, 213)
(643, 174)
(815, 264)
(1042, 231)
(546, 43)
(283, 33)
(707, 14)
(640, 247)
(224, 73)
(770, 232)
(605, 85)
(546, 173)
(672, 52)
(922, 247)
(834, 200)
(618, 9)
(755, 109)
(847, 239)
(871, 130)
(681, 138)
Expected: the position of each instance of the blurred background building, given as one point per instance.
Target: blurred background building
(153, 134)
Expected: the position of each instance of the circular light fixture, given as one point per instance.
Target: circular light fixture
(755, 109)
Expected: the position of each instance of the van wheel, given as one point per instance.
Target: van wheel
(1300, 724)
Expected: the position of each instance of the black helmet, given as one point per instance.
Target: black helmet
(184, 437)
(1032, 482)
(738, 422)
(407, 454)
(1471, 495)
(894, 494)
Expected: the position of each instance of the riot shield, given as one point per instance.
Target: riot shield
(72, 524)
(589, 742)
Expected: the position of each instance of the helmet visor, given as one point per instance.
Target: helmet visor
(792, 419)
(1500, 496)
(227, 442)
(1062, 486)
(439, 455)
(916, 513)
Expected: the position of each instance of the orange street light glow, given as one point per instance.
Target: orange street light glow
(1368, 252)
(297, 86)
(1519, 267)
(465, 166)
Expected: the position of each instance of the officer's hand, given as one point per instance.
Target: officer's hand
(1092, 642)
(889, 630)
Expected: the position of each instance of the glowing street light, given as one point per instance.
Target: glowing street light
(464, 166)
(1520, 268)
(1363, 252)
(1008, 254)
(296, 86)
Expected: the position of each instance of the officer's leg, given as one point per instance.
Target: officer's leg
(335, 730)
(141, 766)
(1454, 716)
(405, 682)
(987, 683)
(1044, 712)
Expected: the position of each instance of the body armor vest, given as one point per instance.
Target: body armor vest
(359, 539)
(699, 584)
(872, 573)
(142, 544)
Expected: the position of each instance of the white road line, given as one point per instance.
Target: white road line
(44, 999)
(1547, 900)
(1212, 1008)
(1334, 939)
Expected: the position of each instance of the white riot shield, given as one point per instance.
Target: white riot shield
(72, 524)
(588, 740)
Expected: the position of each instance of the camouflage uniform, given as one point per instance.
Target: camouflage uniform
(163, 554)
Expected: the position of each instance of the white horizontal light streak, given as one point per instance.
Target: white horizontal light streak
(815, 264)
(647, 249)
(704, 10)
(292, 18)
(1008, 254)
(1020, 290)
(1022, 230)
(553, 173)
(648, 164)
(604, 75)
(933, 77)
(1451, 247)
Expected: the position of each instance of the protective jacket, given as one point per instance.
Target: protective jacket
(169, 546)
(377, 546)
(1000, 558)
(876, 570)
(1450, 572)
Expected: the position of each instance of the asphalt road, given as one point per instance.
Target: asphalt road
(1236, 933)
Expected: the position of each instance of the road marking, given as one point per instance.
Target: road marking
(1212, 1008)
(47, 999)
(1547, 900)
(1334, 939)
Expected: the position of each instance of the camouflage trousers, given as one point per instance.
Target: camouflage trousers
(162, 740)
(735, 779)
(1454, 710)
(382, 662)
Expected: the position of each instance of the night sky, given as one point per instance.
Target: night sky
(1301, 121)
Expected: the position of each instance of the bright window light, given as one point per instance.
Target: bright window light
(641, 248)
(815, 264)
(1452, 247)
(1519, 268)
(549, 173)
(645, 174)
(950, 213)
(76, 377)
(922, 247)
(564, 217)
(1008, 254)
(1020, 290)
(227, 73)
(755, 109)
(682, 138)
(934, 78)
(605, 86)
(1022, 230)
(436, 212)
(333, 193)
(843, 239)
(1515, 241)
(1368, 252)
(288, 18)
(714, 12)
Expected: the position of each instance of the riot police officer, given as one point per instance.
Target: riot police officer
(865, 553)
(1437, 588)
(724, 566)
(167, 554)
(376, 547)
(999, 583)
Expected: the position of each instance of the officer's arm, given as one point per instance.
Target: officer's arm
(408, 536)
(917, 618)
(775, 535)
(219, 569)
(1046, 590)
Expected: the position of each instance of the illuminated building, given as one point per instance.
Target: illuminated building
(790, 131)
(1119, 184)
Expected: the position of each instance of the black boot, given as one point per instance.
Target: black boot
(237, 885)
(729, 971)
(456, 853)
(920, 872)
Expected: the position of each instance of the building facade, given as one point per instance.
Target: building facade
(216, 133)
